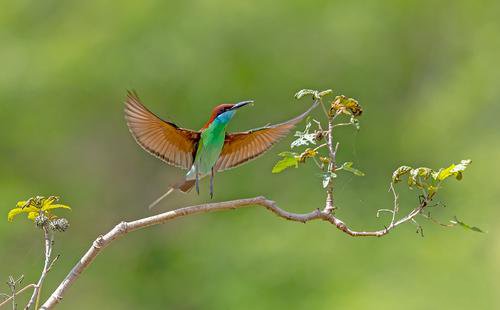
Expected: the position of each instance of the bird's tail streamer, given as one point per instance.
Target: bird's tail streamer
(182, 186)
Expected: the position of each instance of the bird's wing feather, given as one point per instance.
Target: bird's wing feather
(241, 147)
(165, 140)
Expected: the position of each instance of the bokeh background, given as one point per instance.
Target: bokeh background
(426, 73)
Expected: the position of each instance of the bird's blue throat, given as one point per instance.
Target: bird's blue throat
(225, 117)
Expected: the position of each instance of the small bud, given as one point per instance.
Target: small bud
(324, 160)
(41, 221)
(60, 225)
(319, 136)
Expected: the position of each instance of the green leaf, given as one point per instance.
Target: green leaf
(315, 93)
(304, 92)
(290, 159)
(466, 226)
(347, 166)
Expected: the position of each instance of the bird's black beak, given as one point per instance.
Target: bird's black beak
(241, 104)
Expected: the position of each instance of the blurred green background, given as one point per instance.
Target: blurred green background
(426, 73)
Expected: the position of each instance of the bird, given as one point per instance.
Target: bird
(206, 151)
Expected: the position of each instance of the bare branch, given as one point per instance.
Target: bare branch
(126, 227)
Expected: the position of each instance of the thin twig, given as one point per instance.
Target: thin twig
(317, 163)
(9, 298)
(17, 293)
(53, 262)
(13, 283)
(330, 204)
(48, 237)
(323, 107)
(396, 203)
(320, 146)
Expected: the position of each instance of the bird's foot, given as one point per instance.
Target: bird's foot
(212, 184)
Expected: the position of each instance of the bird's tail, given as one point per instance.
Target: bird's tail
(183, 186)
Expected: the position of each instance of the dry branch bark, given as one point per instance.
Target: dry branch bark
(126, 227)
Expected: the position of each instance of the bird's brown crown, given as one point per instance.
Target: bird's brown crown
(218, 110)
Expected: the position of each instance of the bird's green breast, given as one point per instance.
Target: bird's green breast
(209, 148)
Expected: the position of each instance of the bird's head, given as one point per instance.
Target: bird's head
(224, 112)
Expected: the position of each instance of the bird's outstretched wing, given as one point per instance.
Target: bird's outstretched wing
(165, 140)
(241, 147)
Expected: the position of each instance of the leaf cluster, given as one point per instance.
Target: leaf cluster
(429, 179)
(40, 209)
(342, 104)
(311, 136)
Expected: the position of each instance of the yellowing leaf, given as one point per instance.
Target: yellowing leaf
(52, 207)
(36, 206)
(21, 204)
(49, 201)
(431, 189)
(12, 213)
(32, 215)
(398, 173)
(324, 160)
(417, 174)
(345, 105)
(453, 170)
(308, 153)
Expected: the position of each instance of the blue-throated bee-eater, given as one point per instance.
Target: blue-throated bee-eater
(206, 151)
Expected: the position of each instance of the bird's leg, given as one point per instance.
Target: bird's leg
(212, 184)
(197, 178)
